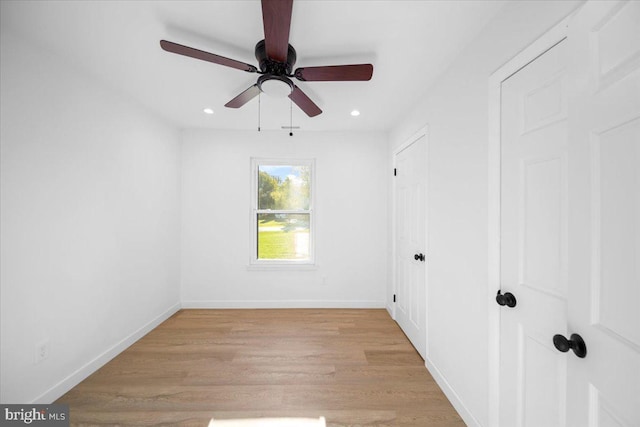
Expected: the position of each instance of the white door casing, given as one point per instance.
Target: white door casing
(410, 240)
(533, 241)
(603, 389)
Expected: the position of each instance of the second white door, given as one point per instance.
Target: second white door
(410, 236)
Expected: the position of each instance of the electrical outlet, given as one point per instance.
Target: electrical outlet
(43, 349)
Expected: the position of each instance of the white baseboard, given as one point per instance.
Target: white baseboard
(83, 372)
(453, 397)
(283, 304)
(391, 311)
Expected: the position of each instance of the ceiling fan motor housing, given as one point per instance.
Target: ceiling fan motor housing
(269, 66)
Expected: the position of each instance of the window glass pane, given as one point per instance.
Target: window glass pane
(283, 187)
(283, 236)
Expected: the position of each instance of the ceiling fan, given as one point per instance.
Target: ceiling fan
(276, 58)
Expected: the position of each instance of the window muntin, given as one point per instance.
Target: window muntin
(282, 212)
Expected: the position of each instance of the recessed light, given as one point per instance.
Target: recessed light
(355, 113)
(208, 111)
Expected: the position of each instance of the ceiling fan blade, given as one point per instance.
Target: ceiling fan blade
(205, 56)
(304, 102)
(276, 18)
(335, 73)
(244, 97)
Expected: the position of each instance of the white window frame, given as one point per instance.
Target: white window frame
(277, 263)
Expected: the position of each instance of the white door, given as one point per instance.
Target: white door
(533, 231)
(410, 236)
(604, 215)
(570, 226)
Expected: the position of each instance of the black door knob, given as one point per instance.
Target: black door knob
(576, 343)
(507, 299)
(419, 257)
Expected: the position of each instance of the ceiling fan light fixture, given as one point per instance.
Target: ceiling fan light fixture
(276, 86)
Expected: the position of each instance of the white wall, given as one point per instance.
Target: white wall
(351, 220)
(89, 222)
(455, 110)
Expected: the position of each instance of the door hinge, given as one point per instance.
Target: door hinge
(394, 297)
(395, 171)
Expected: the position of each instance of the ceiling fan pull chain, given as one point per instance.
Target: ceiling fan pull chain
(259, 105)
(290, 117)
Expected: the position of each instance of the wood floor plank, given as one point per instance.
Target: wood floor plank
(354, 367)
(213, 375)
(393, 357)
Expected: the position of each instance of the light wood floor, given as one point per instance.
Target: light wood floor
(354, 367)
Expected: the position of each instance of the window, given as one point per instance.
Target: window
(282, 212)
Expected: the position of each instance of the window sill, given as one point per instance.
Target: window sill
(282, 267)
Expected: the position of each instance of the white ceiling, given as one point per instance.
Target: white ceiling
(409, 43)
